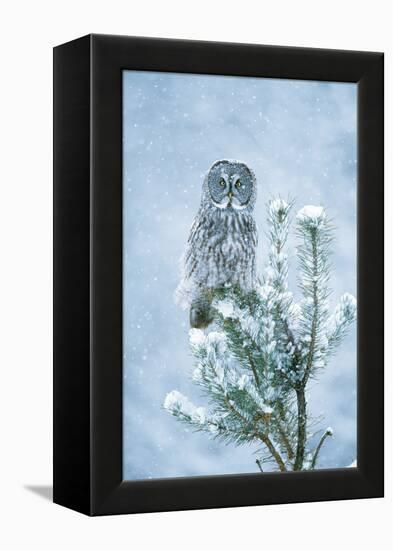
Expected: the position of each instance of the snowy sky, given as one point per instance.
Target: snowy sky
(300, 139)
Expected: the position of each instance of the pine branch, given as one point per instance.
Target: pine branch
(263, 437)
(327, 433)
(259, 464)
(302, 428)
(314, 323)
(255, 362)
(273, 451)
(285, 438)
(253, 368)
(343, 316)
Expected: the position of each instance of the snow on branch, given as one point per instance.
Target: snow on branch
(343, 316)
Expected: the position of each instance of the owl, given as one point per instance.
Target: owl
(221, 247)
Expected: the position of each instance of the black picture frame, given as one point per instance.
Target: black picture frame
(88, 274)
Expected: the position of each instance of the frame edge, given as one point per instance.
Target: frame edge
(71, 272)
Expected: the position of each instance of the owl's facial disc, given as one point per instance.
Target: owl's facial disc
(230, 185)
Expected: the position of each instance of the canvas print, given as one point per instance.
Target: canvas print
(239, 275)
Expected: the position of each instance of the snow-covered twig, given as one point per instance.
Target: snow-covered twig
(327, 433)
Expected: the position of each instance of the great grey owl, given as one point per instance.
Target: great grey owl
(221, 247)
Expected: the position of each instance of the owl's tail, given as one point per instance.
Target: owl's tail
(201, 311)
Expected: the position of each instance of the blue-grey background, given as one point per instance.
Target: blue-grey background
(300, 139)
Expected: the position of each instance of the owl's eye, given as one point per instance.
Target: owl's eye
(238, 184)
(222, 182)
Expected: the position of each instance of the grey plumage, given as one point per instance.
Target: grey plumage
(221, 247)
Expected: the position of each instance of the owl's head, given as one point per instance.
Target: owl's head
(230, 184)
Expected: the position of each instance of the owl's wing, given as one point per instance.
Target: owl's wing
(198, 232)
(184, 293)
(253, 229)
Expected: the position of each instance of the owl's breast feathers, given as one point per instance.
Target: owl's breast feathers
(221, 249)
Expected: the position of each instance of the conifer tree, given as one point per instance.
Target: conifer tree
(263, 348)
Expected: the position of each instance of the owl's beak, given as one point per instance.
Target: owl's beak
(230, 195)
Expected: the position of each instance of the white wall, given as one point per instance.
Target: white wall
(28, 30)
